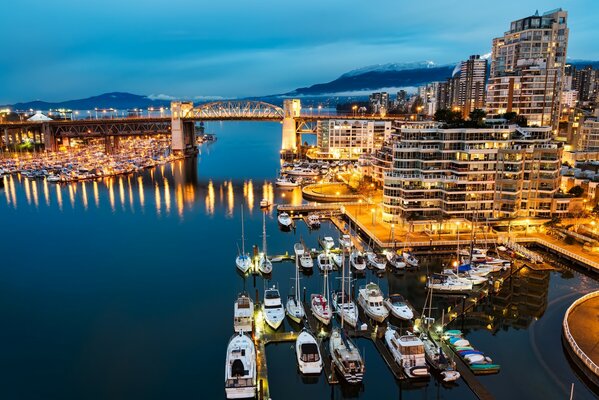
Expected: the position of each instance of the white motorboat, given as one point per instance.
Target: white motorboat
(327, 243)
(298, 249)
(345, 308)
(285, 220)
(357, 260)
(264, 264)
(345, 357)
(305, 258)
(294, 307)
(370, 298)
(53, 178)
(408, 353)
(243, 260)
(399, 307)
(448, 284)
(337, 259)
(345, 242)
(376, 261)
(264, 203)
(395, 260)
(243, 313)
(314, 221)
(307, 353)
(324, 262)
(409, 259)
(272, 308)
(240, 368)
(438, 360)
(286, 182)
(465, 276)
(300, 171)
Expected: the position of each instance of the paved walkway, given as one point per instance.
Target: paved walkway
(584, 327)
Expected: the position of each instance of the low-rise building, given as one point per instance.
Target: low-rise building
(348, 139)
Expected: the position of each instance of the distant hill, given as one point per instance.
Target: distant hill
(118, 100)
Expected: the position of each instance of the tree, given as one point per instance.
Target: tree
(477, 115)
(448, 116)
(514, 118)
(576, 191)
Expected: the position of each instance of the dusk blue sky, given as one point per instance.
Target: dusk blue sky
(64, 49)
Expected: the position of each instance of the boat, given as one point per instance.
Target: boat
(343, 304)
(357, 260)
(313, 221)
(395, 260)
(399, 307)
(240, 368)
(294, 307)
(376, 261)
(324, 262)
(307, 353)
(319, 304)
(264, 264)
(53, 178)
(243, 260)
(476, 360)
(303, 256)
(345, 241)
(286, 182)
(345, 357)
(408, 353)
(284, 220)
(264, 203)
(438, 360)
(337, 259)
(300, 171)
(370, 298)
(327, 242)
(409, 259)
(272, 308)
(243, 313)
(448, 284)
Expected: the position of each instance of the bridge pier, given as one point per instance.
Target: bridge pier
(49, 139)
(182, 132)
(5, 137)
(292, 109)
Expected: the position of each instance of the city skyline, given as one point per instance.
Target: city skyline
(259, 49)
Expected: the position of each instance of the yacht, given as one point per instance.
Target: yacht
(294, 307)
(286, 182)
(463, 274)
(264, 203)
(324, 262)
(240, 368)
(438, 360)
(314, 221)
(345, 308)
(243, 313)
(409, 259)
(399, 307)
(376, 261)
(285, 220)
(346, 357)
(370, 299)
(408, 352)
(301, 171)
(307, 353)
(357, 260)
(327, 243)
(272, 308)
(243, 260)
(395, 260)
(345, 242)
(448, 284)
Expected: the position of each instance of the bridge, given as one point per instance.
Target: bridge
(180, 125)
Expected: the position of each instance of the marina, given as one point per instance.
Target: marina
(194, 199)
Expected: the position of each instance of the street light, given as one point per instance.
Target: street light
(354, 108)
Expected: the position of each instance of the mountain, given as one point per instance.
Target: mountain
(118, 100)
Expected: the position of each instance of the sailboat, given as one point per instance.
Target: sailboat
(319, 303)
(243, 260)
(343, 304)
(264, 264)
(240, 367)
(294, 307)
(243, 313)
(408, 257)
(346, 357)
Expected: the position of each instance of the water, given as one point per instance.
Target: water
(124, 288)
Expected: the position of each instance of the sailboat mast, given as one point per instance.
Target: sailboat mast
(242, 233)
(342, 285)
(264, 233)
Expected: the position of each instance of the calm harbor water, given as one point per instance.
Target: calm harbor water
(123, 288)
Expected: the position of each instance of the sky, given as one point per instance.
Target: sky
(67, 49)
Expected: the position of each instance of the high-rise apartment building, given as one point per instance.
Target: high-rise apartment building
(493, 172)
(379, 103)
(527, 68)
(586, 82)
(471, 85)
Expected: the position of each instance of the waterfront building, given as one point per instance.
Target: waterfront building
(347, 140)
(527, 68)
(500, 171)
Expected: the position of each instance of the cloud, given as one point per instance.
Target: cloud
(165, 97)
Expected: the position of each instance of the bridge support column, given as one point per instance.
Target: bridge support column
(5, 137)
(292, 109)
(49, 139)
(182, 132)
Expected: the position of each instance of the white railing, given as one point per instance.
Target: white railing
(570, 339)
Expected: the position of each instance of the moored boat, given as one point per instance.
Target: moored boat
(438, 360)
(376, 261)
(307, 353)
(408, 353)
(272, 308)
(324, 262)
(240, 368)
(357, 260)
(370, 298)
(243, 313)
(327, 243)
(284, 220)
(399, 307)
(345, 357)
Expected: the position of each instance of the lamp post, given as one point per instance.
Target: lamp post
(354, 108)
